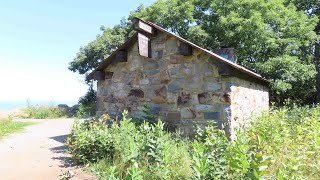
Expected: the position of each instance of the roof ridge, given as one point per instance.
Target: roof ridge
(237, 66)
(107, 62)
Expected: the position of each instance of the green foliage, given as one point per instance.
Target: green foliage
(90, 56)
(149, 116)
(280, 144)
(90, 141)
(208, 154)
(43, 112)
(263, 32)
(87, 103)
(81, 112)
(127, 151)
(288, 74)
(292, 136)
(65, 175)
(178, 15)
(8, 126)
(283, 144)
(312, 9)
(215, 157)
(277, 145)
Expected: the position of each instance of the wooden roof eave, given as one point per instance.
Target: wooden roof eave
(110, 59)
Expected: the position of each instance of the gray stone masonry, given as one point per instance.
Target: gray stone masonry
(182, 90)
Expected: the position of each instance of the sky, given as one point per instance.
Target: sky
(38, 38)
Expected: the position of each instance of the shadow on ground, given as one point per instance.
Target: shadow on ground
(61, 138)
(60, 152)
(66, 161)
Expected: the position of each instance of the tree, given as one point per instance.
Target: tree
(264, 33)
(96, 51)
(271, 37)
(91, 55)
(312, 9)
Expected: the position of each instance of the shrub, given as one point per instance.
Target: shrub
(209, 153)
(280, 144)
(292, 136)
(90, 141)
(43, 112)
(126, 150)
(215, 157)
(81, 112)
(87, 104)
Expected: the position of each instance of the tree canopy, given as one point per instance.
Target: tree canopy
(274, 38)
(312, 9)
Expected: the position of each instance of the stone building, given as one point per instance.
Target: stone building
(183, 83)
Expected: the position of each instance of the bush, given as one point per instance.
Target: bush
(43, 112)
(90, 141)
(280, 144)
(126, 150)
(81, 112)
(292, 136)
(87, 104)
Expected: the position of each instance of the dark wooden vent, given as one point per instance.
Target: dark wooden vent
(224, 69)
(108, 75)
(121, 56)
(99, 75)
(185, 49)
(227, 53)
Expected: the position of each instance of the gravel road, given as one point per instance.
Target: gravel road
(38, 153)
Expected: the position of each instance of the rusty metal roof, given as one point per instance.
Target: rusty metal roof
(133, 39)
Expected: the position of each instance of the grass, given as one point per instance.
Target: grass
(44, 112)
(8, 126)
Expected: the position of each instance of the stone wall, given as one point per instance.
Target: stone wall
(247, 99)
(182, 90)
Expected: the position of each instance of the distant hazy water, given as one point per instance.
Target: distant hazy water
(10, 105)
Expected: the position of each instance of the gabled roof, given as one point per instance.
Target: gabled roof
(134, 38)
(105, 63)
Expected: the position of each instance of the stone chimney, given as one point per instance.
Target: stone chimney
(227, 53)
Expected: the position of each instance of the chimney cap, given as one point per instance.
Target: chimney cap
(228, 53)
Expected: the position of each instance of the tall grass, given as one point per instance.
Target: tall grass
(44, 112)
(7, 126)
(281, 144)
(292, 137)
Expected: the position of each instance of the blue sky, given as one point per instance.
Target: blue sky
(39, 38)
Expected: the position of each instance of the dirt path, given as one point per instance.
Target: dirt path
(38, 152)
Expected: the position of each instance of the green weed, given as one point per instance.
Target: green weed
(7, 126)
(43, 112)
(81, 112)
(127, 151)
(281, 144)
